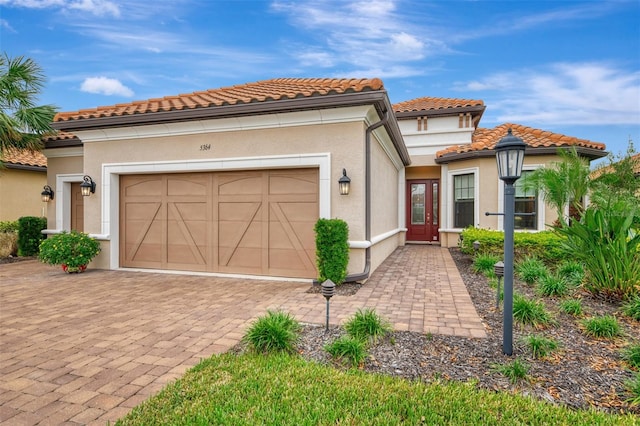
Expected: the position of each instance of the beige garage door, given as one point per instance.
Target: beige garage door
(253, 222)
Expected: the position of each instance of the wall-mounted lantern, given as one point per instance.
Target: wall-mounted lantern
(344, 183)
(88, 186)
(47, 194)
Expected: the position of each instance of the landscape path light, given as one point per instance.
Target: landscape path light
(328, 290)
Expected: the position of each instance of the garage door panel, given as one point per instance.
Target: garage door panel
(255, 222)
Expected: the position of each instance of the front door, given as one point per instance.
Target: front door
(422, 210)
(77, 208)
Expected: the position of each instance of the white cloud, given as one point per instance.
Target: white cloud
(6, 25)
(105, 86)
(95, 7)
(563, 93)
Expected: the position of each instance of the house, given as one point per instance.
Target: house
(232, 180)
(22, 179)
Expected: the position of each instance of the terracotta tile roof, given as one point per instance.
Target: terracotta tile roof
(24, 157)
(261, 91)
(427, 104)
(608, 168)
(486, 139)
(61, 135)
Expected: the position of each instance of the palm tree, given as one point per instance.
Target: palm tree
(564, 184)
(22, 122)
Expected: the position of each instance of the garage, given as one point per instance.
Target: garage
(257, 222)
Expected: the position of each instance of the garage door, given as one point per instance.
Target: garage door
(248, 222)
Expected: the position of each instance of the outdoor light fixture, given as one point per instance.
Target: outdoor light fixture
(476, 246)
(88, 186)
(47, 194)
(498, 269)
(328, 289)
(345, 183)
(510, 156)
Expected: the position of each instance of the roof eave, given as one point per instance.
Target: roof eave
(479, 109)
(590, 153)
(29, 167)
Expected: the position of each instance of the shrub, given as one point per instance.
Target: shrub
(367, 325)
(9, 226)
(540, 346)
(348, 349)
(546, 245)
(631, 308)
(30, 234)
(571, 307)
(332, 249)
(571, 271)
(605, 241)
(632, 355)
(73, 249)
(552, 285)
(605, 326)
(8, 244)
(483, 264)
(515, 370)
(530, 269)
(275, 332)
(530, 312)
(633, 387)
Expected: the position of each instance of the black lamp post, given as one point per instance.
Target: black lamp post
(328, 289)
(510, 156)
(88, 186)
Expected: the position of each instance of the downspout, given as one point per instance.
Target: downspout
(367, 193)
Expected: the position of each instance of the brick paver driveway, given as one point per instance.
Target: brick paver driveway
(86, 348)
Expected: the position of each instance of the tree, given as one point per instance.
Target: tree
(22, 122)
(565, 183)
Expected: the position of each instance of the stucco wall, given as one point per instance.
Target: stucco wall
(20, 193)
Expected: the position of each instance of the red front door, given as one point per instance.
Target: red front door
(422, 210)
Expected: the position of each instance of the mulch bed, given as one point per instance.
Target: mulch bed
(584, 372)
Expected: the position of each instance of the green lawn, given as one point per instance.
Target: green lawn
(286, 390)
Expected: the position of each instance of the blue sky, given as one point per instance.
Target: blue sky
(571, 67)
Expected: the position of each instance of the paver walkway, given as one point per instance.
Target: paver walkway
(86, 348)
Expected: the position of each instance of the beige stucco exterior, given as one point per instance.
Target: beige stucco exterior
(20, 193)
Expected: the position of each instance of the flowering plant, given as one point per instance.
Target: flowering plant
(72, 249)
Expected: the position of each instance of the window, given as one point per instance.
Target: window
(463, 199)
(526, 202)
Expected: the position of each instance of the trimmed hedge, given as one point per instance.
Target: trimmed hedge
(332, 249)
(30, 235)
(9, 226)
(545, 245)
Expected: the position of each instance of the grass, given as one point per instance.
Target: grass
(515, 371)
(483, 264)
(530, 269)
(367, 325)
(571, 271)
(348, 349)
(605, 326)
(282, 389)
(276, 331)
(633, 387)
(540, 346)
(632, 356)
(631, 308)
(572, 307)
(530, 312)
(552, 285)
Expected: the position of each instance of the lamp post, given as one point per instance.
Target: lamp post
(509, 156)
(328, 289)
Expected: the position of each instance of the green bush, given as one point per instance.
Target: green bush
(30, 234)
(571, 271)
(552, 285)
(530, 312)
(632, 355)
(367, 325)
(73, 249)
(515, 370)
(530, 269)
(606, 243)
(348, 349)
(9, 226)
(332, 249)
(606, 326)
(633, 387)
(540, 346)
(631, 307)
(484, 263)
(571, 307)
(546, 245)
(275, 332)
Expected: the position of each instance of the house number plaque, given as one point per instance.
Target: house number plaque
(205, 147)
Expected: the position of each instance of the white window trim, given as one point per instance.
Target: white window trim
(63, 201)
(450, 197)
(110, 185)
(540, 225)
